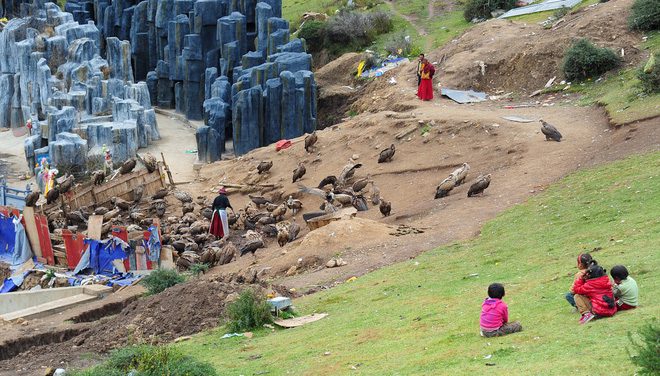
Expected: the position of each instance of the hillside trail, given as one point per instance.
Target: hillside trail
(415, 22)
(521, 161)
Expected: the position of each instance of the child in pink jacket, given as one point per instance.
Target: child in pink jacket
(494, 320)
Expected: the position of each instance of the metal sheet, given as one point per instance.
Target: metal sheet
(541, 7)
(463, 96)
(517, 119)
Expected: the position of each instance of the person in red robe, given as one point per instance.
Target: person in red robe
(219, 224)
(425, 90)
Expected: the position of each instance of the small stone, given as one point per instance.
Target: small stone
(331, 264)
(355, 157)
(231, 297)
(49, 371)
(326, 353)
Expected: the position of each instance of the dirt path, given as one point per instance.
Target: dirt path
(416, 24)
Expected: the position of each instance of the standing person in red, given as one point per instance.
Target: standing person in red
(425, 89)
(219, 224)
(494, 321)
(593, 294)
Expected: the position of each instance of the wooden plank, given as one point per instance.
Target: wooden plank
(95, 227)
(31, 230)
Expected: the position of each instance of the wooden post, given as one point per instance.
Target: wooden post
(167, 169)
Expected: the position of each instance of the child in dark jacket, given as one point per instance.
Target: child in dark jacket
(593, 294)
(494, 319)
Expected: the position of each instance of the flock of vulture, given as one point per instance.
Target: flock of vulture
(340, 191)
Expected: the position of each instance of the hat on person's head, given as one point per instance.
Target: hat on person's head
(222, 191)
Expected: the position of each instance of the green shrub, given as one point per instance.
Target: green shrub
(398, 44)
(161, 279)
(248, 312)
(313, 32)
(149, 360)
(199, 268)
(481, 9)
(644, 15)
(649, 75)
(648, 350)
(356, 28)
(584, 60)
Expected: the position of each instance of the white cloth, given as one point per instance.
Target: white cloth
(225, 222)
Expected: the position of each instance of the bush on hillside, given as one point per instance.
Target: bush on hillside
(648, 350)
(356, 28)
(149, 360)
(645, 15)
(649, 75)
(313, 32)
(584, 60)
(481, 9)
(161, 279)
(248, 312)
(399, 44)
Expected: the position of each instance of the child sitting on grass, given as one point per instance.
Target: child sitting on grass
(494, 320)
(593, 294)
(625, 288)
(584, 261)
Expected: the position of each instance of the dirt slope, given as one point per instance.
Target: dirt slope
(523, 57)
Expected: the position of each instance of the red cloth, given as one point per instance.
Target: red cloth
(282, 144)
(624, 307)
(216, 225)
(595, 289)
(494, 314)
(425, 90)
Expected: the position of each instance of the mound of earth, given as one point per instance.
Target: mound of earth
(181, 310)
(514, 56)
(336, 88)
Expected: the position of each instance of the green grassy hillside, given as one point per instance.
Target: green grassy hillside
(421, 317)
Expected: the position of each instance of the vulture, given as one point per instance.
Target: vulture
(150, 162)
(313, 191)
(550, 132)
(385, 207)
(232, 219)
(270, 207)
(207, 213)
(294, 205)
(445, 187)
(101, 210)
(160, 194)
(348, 172)
(294, 230)
(188, 207)
(259, 200)
(251, 246)
(279, 211)
(182, 196)
(53, 195)
(360, 184)
(299, 172)
(310, 140)
(479, 185)
(342, 198)
(264, 166)
(66, 186)
(76, 218)
(360, 203)
(98, 177)
(328, 180)
(160, 207)
(269, 230)
(127, 166)
(375, 194)
(266, 220)
(32, 198)
(387, 154)
(460, 174)
(121, 204)
(282, 235)
(138, 192)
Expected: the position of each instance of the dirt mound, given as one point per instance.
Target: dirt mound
(180, 310)
(5, 271)
(340, 233)
(514, 56)
(339, 71)
(337, 89)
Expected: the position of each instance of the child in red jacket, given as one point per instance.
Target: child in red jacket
(593, 294)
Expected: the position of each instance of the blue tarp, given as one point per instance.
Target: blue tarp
(7, 238)
(99, 255)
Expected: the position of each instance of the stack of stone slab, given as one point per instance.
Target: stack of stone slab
(228, 62)
(52, 72)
